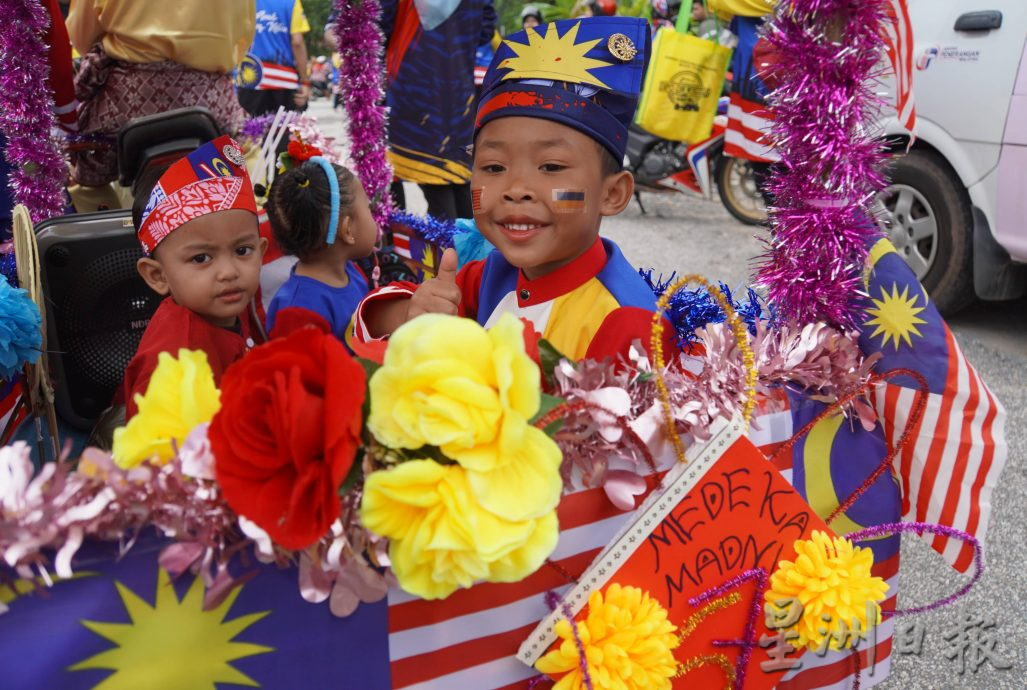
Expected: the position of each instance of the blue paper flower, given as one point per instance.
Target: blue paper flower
(20, 334)
(470, 244)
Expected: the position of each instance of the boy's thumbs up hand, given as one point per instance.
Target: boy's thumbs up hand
(440, 295)
(447, 267)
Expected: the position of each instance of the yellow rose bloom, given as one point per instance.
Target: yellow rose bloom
(441, 538)
(181, 395)
(523, 477)
(447, 382)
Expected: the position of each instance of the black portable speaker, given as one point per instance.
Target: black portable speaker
(97, 307)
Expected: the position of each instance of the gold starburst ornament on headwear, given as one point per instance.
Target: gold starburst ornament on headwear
(621, 47)
(556, 57)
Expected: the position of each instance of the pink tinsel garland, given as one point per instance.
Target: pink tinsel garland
(26, 111)
(830, 165)
(360, 44)
(818, 359)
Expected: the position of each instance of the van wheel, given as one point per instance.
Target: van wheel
(925, 212)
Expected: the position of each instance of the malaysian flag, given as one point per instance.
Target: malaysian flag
(11, 413)
(898, 43)
(749, 125)
(470, 639)
(749, 120)
(951, 465)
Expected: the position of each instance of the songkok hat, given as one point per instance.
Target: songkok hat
(210, 179)
(583, 73)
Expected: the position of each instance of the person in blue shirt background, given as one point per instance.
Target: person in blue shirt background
(274, 71)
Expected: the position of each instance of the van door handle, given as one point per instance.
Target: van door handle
(979, 21)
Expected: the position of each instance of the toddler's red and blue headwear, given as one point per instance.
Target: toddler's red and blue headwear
(583, 73)
(210, 179)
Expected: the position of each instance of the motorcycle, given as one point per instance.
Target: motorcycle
(664, 166)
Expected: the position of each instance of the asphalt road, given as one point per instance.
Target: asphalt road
(690, 235)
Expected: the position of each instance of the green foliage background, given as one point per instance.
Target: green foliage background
(317, 14)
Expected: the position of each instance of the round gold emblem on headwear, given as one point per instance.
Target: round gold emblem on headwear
(622, 47)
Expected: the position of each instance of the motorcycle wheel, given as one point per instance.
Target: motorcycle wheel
(737, 189)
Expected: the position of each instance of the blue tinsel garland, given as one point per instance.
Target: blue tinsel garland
(431, 230)
(692, 309)
(9, 268)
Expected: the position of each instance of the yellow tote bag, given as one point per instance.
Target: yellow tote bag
(682, 86)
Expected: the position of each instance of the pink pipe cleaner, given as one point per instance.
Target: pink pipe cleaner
(831, 163)
(360, 43)
(26, 111)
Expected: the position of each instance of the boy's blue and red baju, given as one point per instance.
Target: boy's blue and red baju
(594, 307)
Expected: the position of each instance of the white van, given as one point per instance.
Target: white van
(956, 207)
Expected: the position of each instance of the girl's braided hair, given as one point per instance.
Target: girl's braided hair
(299, 203)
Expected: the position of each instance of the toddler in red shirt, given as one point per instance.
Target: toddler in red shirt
(203, 252)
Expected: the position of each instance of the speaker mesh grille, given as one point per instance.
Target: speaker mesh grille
(102, 318)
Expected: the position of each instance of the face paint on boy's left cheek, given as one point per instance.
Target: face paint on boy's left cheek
(569, 200)
(476, 198)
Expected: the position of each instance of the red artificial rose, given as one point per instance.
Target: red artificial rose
(300, 152)
(287, 432)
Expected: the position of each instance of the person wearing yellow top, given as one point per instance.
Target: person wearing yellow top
(143, 58)
(274, 71)
(726, 9)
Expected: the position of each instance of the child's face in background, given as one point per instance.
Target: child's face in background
(360, 226)
(540, 192)
(210, 265)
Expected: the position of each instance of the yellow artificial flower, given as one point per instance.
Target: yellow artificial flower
(441, 538)
(447, 382)
(628, 643)
(828, 577)
(523, 481)
(181, 395)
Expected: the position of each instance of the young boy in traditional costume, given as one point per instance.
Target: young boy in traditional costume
(549, 138)
(203, 253)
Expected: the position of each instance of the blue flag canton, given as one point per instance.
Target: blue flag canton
(607, 53)
(900, 321)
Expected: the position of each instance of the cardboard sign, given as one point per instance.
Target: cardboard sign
(727, 512)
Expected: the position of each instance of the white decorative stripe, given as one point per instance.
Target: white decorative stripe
(752, 120)
(494, 674)
(472, 626)
(758, 151)
(775, 427)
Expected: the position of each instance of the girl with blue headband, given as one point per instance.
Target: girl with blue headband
(320, 213)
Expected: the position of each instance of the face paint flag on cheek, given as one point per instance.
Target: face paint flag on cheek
(476, 198)
(569, 200)
(210, 179)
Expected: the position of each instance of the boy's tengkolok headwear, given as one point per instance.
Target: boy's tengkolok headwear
(210, 179)
(583, 73)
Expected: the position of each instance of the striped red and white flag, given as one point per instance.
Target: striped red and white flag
(278, 77)
(11, 413)
(470, 639)
(898, 43)
(749, 126)
(951, 465)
